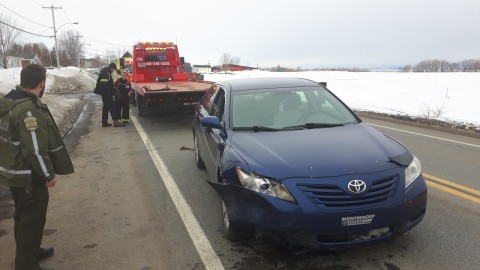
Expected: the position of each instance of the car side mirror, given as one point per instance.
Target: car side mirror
(211, 122)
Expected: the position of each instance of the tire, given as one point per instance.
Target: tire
(233, 231)
(132, 99)
(198, 159)
(141, 110)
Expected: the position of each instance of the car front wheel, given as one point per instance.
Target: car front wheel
(233, 232)
(198, 159)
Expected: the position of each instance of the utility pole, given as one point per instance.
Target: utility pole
(55, 33)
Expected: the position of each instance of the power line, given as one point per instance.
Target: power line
(106, 42)
(36, 2)
(38, 33)
(97, 50)
(24, 17)
(66, 15)
(91, 54)
(24, 30)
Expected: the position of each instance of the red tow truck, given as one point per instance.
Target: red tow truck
(159, 81)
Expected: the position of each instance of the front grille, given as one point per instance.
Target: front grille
(333, 196)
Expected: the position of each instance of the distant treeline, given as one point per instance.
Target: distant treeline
(435, 65)
(285, 69)
(343, 69)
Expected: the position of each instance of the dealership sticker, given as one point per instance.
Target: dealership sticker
(357, 220)
(30, 123)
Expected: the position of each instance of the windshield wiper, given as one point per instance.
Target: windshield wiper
(314, 125)
(257, 128)
(322, 125)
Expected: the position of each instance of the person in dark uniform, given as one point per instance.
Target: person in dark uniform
(32, 154)
(122, 101)
(106, 88)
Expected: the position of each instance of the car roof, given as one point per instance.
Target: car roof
(266, 83)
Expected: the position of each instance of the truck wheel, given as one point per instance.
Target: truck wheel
(132, 99)
(234, 232)
(198, 159)
(142, 111)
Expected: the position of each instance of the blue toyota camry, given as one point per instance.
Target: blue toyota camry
(292, 162)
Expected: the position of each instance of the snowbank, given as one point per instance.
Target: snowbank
(69, 80)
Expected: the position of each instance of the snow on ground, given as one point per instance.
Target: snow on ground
(69, 80)
(453, 97)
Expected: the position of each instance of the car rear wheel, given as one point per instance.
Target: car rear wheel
(234, 232)
(198, 159)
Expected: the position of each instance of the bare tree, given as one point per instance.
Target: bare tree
(69, 43)
(34, 48)
(454, 67)
(226, 59)
(43, 53)
(407, 68)
(9, 36)
(470, 65)
(97, 62)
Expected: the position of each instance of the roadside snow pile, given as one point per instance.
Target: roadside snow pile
(69, 80)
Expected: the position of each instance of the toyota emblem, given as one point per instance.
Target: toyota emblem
(357, 186)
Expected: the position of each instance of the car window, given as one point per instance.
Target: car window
(216, 109)
(280, 108)
(205, 102)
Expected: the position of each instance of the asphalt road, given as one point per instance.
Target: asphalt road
(137, 201)
(446, 239)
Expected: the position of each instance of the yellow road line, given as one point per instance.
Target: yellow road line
(455, 185)
(453, 191)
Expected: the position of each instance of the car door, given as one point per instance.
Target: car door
(215, 138)
(202, 109)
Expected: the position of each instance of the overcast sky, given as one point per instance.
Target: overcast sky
(267, 33)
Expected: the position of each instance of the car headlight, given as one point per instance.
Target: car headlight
(413, 171)
(263, 185)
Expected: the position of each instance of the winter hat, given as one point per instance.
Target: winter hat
(112, 65)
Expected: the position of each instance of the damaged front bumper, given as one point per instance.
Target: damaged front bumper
(306, 225)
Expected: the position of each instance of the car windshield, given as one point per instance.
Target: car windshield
(288, 109)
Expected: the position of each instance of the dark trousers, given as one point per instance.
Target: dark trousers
(123, 105)
(108, 107)
(30, 216)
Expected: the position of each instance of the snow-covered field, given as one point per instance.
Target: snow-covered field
(449, 97)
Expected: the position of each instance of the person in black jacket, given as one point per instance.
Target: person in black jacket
(105, 88)
(122, 101)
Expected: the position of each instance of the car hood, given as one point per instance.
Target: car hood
(323, 152)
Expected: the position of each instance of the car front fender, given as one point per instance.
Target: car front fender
(243, 205)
